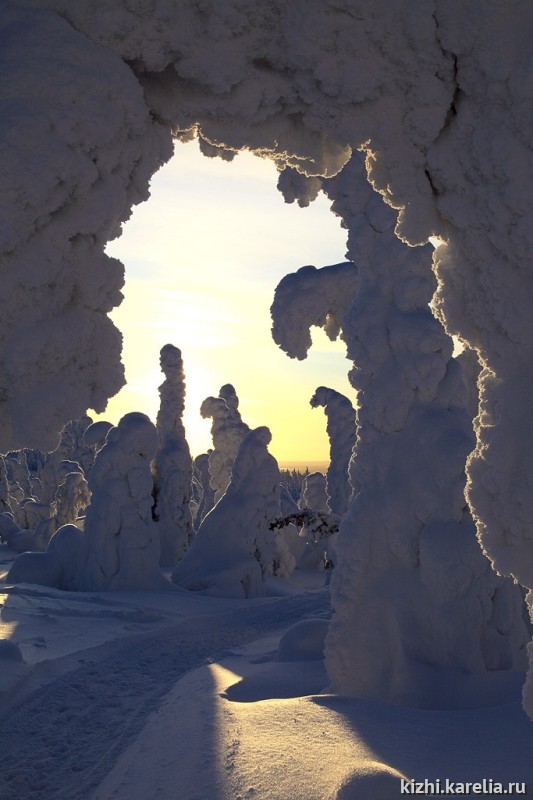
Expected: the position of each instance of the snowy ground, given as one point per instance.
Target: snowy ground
(176, 696)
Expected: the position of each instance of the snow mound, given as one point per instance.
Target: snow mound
(370, 780)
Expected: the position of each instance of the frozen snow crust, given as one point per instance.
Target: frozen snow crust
(437, 94)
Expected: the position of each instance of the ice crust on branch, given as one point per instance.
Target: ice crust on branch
(172, 468)
(341, 430)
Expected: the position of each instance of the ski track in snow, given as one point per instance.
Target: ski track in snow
(61, 740)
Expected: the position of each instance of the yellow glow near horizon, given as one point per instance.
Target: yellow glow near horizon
(203, 257)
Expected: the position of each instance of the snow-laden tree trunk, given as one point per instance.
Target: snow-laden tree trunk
(172, 469)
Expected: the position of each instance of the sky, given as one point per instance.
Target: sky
(203, 257)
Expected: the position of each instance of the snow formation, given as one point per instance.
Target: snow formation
(408, 562)
(342, 434)
(234, 549)
(71, 449)
(120, 547)
(71, 500)
(5, 500)
(314, 494)
(172, 468)
(80, 147)
(439, 97)
(227, 431)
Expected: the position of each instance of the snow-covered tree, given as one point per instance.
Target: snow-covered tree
(342, 436)
(408, 525)
(19, 483)
(71, 448)
(172, 469)
(314, 495)
(120, 547)
(234, 549)
(227, 431)
(71, 499)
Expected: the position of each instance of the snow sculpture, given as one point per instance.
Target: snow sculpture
(342, 435)
(234, 550)
(437, 95)
(407, 545)
(228, 431)
(172, 468)
(121, 546)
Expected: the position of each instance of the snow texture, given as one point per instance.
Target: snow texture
(172, 468)
(342, 435)
(439, 97)
(120, 548)
(234, 549)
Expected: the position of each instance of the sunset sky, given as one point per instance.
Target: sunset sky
(203, 257)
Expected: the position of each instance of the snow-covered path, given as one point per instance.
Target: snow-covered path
(61, 740)
(182, 696)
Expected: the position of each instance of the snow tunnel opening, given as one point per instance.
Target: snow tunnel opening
(202, 257)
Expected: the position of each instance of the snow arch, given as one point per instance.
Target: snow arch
(437, 94)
